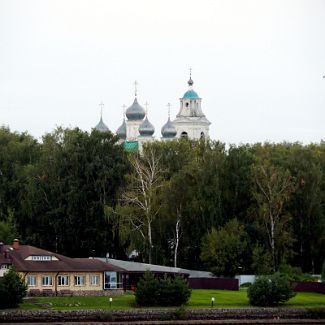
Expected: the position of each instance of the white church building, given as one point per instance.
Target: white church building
(190, 122)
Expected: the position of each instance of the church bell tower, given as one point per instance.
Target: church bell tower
(190, 121)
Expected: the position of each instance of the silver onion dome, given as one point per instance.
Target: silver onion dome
(101, 126)
(146, 128)
(135, 111)
(168, 130)
(121, 131)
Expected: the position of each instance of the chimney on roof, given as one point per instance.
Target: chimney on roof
(15, 244)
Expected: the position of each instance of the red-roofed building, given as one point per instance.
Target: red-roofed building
(48, 273)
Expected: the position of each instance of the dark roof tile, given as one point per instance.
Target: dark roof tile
(63, 264)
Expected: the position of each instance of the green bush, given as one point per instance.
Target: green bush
(270, 290)
(295, 273)
(173, 291)
(147, 291)
(246, 285)
(12, 289)
(323, 272)
(164, 292)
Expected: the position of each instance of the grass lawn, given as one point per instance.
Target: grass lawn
(199, 299)
(238, 299)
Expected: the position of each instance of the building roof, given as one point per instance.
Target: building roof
(101, 126)
(168, 130)
(21, 259)
(136, 267)
(146, 128)
(135, 111)
(121, 131)
(131, 146)
(191, 94)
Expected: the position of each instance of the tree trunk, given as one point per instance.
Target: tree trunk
(149, 243)
(177, 227)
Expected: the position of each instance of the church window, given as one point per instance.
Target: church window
(184, 135)
(202, 135)
(186, 104)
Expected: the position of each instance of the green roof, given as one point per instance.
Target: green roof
(131, 145)
(191, 94)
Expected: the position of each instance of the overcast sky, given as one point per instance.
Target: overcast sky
(257, 64)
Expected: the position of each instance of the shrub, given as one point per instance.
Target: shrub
(181, 313)
(147, 291)
(245, 284)
(12, 289)
(173, 291)
(270, 290)
(164, 292)
(295, 273)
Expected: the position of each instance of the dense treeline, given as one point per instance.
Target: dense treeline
(53, 194)
(247, 208)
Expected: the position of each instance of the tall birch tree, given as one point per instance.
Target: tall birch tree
(272, 189)
(142, 195)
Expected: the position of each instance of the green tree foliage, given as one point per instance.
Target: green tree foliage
(140, 199)
(8, 229)
(65, 193)
(18, 154)
(12, 289)
(77, 175)
(236, 200)
(306, 164)
(295, 273)
(173, 291)
(147, 290)
(222, 250)
(191, 198)
(272, 189)
(323, 272)
(166, 291)
(270, 290)
(261, 260)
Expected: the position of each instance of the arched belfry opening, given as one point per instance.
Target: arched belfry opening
(184, 135)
